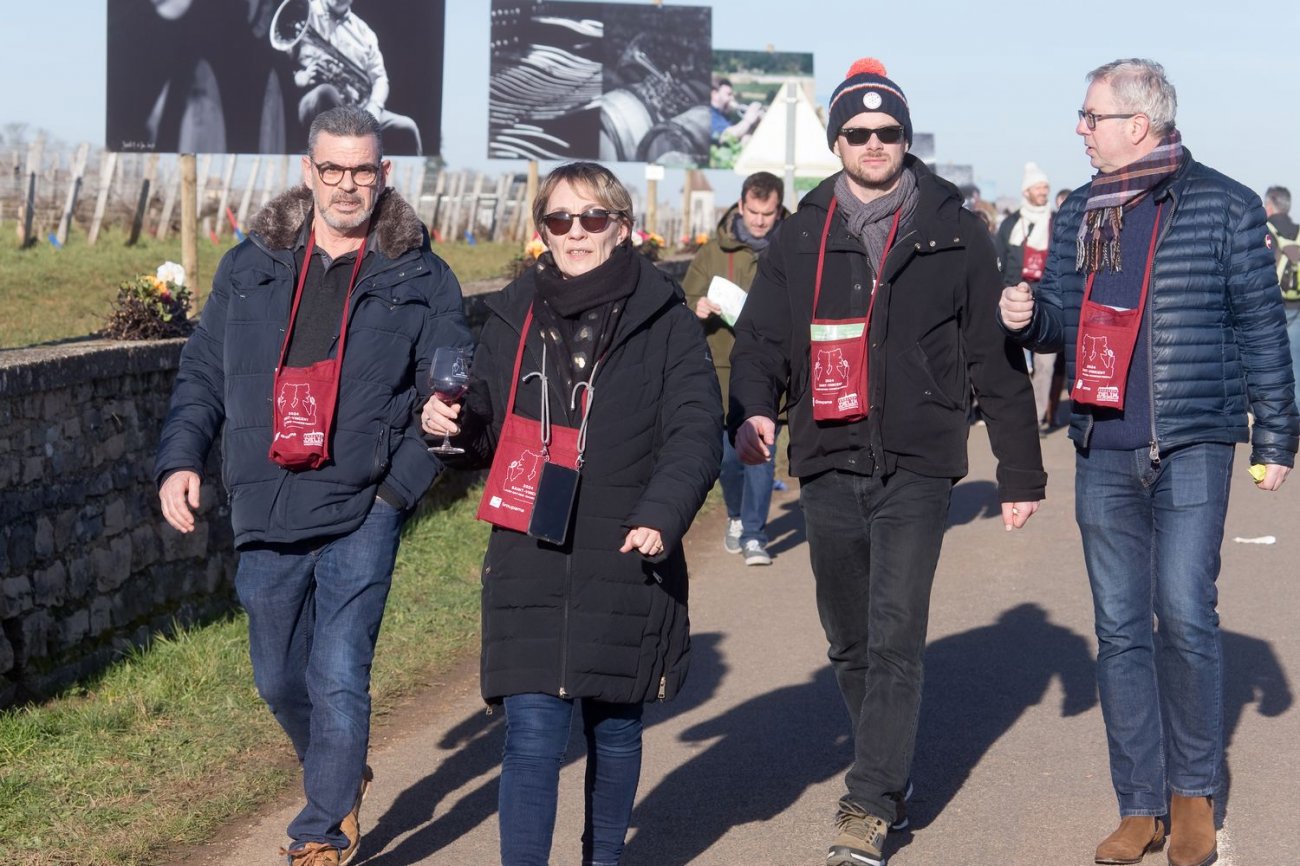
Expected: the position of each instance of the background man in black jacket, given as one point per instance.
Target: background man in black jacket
(1286, 255)
(317, 545)
(876, 304)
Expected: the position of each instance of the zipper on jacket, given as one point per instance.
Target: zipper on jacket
(564, 630)
(1154, 452)
(663, 686)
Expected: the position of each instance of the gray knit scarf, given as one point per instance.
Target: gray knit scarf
(870, 221)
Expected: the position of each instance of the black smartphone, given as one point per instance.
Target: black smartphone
(553, 507)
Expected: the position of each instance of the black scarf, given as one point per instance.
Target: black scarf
(577, 315)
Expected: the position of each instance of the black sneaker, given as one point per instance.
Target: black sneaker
(861, 838)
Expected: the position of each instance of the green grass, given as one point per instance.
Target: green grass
(54, 294)
(173, 741)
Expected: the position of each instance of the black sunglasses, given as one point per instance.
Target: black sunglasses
(860, 135)
(594, 220)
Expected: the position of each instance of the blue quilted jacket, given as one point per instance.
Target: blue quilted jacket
(1218, 329)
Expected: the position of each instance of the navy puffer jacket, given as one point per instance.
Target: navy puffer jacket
(406, 303)
(1218, 328)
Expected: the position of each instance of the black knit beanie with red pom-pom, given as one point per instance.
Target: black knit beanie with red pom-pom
(865, 88)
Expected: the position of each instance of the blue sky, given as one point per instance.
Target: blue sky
(996, 84)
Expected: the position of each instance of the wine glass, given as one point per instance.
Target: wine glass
(449, 380)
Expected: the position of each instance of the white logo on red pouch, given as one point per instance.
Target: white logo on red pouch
(1109, 394)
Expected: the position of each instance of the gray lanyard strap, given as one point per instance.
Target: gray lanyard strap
(546, 404)
(586, 408)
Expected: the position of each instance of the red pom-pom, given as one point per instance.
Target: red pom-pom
(867, 66)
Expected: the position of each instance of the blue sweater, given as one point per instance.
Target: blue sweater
(1129, 428)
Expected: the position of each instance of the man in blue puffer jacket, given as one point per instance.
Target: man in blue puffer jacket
(338, 264)
(1161, 288)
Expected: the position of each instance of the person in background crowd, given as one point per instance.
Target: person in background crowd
(321, 451)
(1285, 235)
(744, 231)
(592, 377)
(872, 316)
(1022, 244)
(1161, 288)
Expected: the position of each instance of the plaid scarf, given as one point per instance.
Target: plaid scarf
(1097, 246)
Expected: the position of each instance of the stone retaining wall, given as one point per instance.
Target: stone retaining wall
(88, 568)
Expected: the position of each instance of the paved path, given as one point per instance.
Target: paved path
(745, 767)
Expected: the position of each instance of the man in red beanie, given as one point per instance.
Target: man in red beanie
(872, 317)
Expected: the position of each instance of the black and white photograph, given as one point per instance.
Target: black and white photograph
(248, 76)
(606, 81)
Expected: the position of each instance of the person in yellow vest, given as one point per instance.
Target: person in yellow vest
(732, 253)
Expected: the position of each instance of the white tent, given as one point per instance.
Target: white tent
(772, 147)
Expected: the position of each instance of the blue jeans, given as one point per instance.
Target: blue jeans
(537, 733)
(1293, 334)
(747, 491)
(874, 545)
(314, 611)
(1151, 537)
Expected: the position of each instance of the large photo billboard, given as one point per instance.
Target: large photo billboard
(248, 76)
(607, 81)
(743, 85)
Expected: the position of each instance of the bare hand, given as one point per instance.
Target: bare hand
(1017, 306)
(438, 418)
(705, 308)
(755, 440)
(1274, 475)
(179, 496)
(644, 540)
(1016, 514)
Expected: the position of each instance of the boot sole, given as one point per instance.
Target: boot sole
(1213, 858)
(839, 855)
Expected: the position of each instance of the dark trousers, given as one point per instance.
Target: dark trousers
(874, 544)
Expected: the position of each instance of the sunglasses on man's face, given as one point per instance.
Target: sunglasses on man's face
(594, 220)
(860, 135)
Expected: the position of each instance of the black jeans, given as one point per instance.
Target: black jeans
(874, 544)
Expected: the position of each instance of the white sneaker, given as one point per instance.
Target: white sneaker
(755, 554)
(731, 541)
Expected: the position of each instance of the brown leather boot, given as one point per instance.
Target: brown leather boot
(1191, 831)
(1132, 840)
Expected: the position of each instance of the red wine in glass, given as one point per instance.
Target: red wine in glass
(449, 380)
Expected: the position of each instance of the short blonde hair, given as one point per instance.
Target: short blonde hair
(591, 177)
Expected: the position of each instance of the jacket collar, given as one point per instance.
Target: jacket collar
(394, 224)
(654, 290)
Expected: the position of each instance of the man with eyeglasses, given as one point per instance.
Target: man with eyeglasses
(312, 352)
(872, 317)
(1161, 288)
(744, 232)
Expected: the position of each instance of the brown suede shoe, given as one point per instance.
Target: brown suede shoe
(1191, 831)
(1136, 836)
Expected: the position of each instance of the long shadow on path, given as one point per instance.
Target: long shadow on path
(477, 742)
(768, 751)
(978, 685)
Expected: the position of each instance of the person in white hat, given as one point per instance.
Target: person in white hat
(1022, 247)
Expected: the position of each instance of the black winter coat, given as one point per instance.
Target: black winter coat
(406, 303)
(934, 334)
(1217, 323)
(584, 620)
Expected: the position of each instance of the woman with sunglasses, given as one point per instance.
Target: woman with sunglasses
(594, 400)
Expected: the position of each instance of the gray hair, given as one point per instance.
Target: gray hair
(345, 121)
(1140, 86)
(1279, 197)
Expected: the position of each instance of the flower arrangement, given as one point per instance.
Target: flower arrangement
(522, 263)
(692, 243)
(151, 306)
(649, 244)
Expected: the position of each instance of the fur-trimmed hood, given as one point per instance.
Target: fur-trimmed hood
(395, 225)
